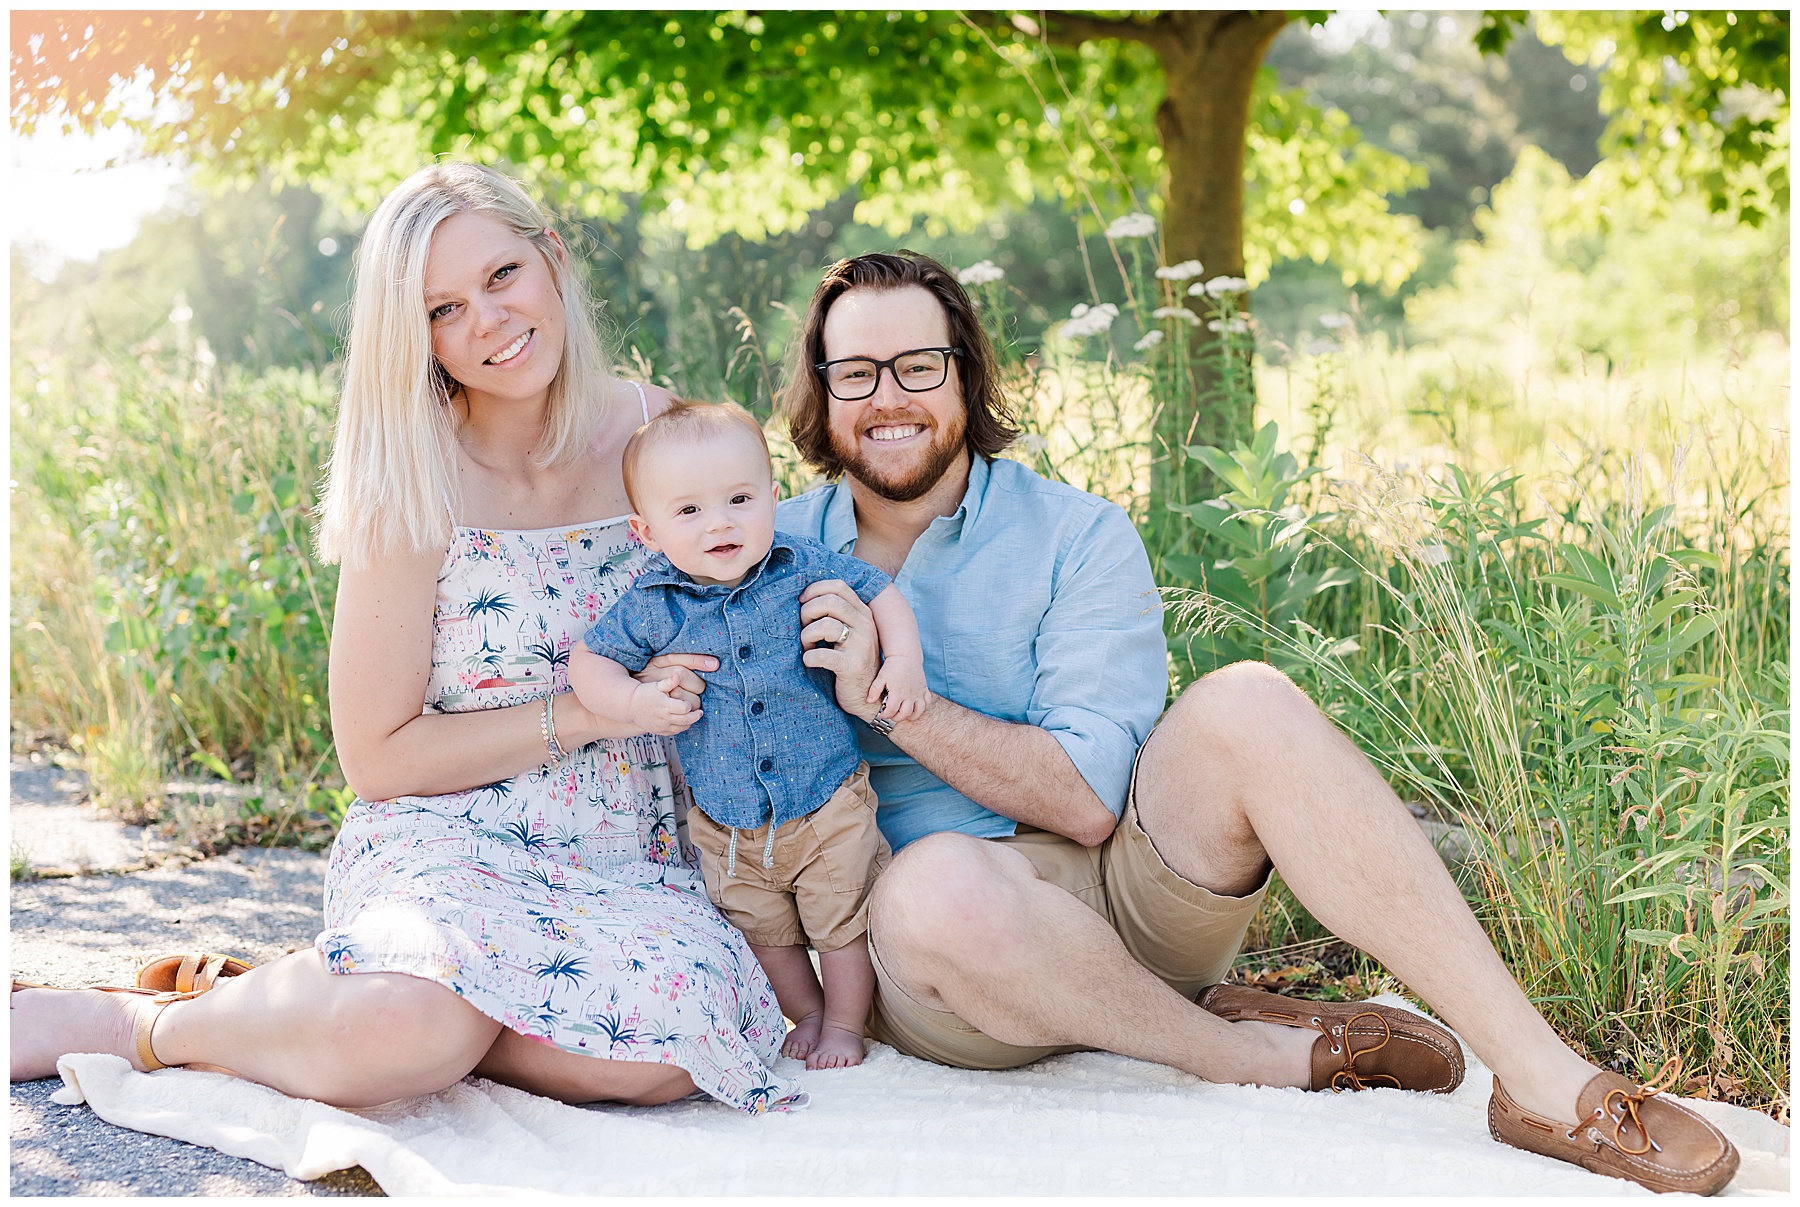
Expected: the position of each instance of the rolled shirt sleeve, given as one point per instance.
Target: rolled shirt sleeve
(1102, 663)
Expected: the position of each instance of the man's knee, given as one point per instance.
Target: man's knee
(1241, 709)
(947, 891)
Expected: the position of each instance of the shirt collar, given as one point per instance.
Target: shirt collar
(662, 572)
(839, 527)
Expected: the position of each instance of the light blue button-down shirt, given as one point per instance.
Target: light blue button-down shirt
(1035, 605)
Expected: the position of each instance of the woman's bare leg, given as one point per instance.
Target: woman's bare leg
(539, 1068)
(351, 1041)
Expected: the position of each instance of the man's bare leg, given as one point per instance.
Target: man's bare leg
(1244, 770)
(967, 926)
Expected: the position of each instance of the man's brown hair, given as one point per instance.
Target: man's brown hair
(991, 426)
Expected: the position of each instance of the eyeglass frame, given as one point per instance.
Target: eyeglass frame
(887, 364)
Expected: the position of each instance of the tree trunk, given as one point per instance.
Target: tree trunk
(1209, 61)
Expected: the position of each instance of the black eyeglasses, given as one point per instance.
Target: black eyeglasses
(855, 378)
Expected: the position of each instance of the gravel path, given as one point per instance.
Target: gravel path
(116, 894)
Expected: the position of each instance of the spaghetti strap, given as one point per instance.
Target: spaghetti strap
(643, 401)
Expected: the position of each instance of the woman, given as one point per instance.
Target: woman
(507, 897)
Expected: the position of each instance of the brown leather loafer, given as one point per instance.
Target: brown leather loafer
(1626, 1131)
(1360, 1047)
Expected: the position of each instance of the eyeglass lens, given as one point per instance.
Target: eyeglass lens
(851, 380)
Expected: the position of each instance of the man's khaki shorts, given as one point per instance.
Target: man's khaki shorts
(1183, 933)
(818, 890)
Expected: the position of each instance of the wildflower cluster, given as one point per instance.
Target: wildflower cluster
(1087, 320)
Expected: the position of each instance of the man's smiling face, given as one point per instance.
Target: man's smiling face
(898, 444)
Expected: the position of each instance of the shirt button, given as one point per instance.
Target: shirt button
(743, 651)
(756, 709)
(766, 765)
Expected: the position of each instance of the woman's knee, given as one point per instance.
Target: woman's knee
(405, 1024)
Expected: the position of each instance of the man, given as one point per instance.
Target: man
(1066, 878)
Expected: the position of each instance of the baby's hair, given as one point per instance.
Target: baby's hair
(691, 422)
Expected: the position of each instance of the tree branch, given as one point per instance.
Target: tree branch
(1072, 29)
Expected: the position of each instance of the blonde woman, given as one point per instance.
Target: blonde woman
(507, 897)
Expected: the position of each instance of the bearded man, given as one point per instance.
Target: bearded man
(1075, 867)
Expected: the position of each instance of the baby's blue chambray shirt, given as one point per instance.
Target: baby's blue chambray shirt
(1035, 605)
(773, 740)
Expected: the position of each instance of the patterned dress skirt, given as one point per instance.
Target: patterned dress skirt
(559, 902)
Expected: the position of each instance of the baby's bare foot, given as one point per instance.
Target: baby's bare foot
(49, 1023)
(838, 1047)
(804, 1037)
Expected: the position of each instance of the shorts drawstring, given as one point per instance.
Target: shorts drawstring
(768, 859)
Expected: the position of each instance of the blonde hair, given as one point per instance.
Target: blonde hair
(391, 484)
(685, 421)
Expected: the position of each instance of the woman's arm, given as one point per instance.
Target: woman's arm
(380, 663)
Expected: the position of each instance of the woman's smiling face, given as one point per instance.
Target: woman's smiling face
(495, 315)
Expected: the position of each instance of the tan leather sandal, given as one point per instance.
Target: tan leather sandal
(146, 1020)
(190, 972)
(1360, 1047)
(1626, 1131)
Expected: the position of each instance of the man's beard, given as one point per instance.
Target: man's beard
(945, 445)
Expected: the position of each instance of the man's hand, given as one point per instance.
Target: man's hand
(902, 682)
(838, 633)
(655, 707)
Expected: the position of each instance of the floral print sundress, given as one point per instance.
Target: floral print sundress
(559, 902)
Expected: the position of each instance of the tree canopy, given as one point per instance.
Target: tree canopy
(1697, 99)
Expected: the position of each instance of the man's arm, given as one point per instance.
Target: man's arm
(1100, 676)
(1018, 771)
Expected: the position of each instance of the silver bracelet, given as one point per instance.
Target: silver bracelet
(547, 726)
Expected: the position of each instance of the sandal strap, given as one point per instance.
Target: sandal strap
(146, 1025)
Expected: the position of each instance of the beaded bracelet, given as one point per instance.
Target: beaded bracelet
(547, 726)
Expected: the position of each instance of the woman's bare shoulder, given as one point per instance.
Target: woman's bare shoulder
(659, 399)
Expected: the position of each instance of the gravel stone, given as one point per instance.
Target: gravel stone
(96, 927)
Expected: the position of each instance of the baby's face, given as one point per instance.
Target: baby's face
(709, 505)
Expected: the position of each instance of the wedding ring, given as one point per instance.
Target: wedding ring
(842, 635)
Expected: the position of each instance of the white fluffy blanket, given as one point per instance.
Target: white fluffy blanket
(1086, 1124)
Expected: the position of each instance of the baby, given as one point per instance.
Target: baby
(774, 752)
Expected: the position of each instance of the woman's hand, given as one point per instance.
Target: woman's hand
(838, 633)
(681, 668)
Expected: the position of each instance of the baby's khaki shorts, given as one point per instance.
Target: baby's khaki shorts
(1185, 934)
(817, 890)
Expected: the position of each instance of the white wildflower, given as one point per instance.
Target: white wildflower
(1312, 345)
(1150, 340)
(1219, 286)
(1132, 226)
(1033, 443)
(1179, 313)
(1433, 555)
(1186, 270)
(1331, 322)
(1087, 320)
(984, 273)
(1236, 326)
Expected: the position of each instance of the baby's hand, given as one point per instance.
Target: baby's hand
(656, 708)
(903, 679)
